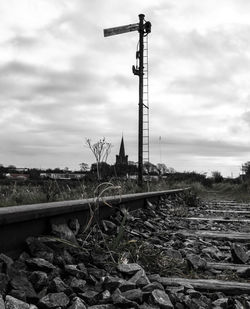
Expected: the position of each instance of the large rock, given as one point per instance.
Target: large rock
(129, 269)
(213, 252)
(111, 283)
(106, 306)
(57, 285)
(153, 286)
(244, 272)
(134, 295)
(239, 255)
(174, 254)
(2, 305)
(109, 226)
(139, 278)
(77, 303)
(18, 294)
(39, 279)
(22, 284)
(6, 261)
(14, 303)
(195, 303)
(64, 232)
(4, 279)
(196, 262)
(40, 264)
(90, 297)
(54, 300)
(121, 302)
(148, 306)
(74, 225)
(96, 272)
(74, 270)
(221, 302)
(161, 299)
(78, 285)
(105, 296)
(39, 249)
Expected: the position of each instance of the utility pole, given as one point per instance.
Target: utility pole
(143, 27)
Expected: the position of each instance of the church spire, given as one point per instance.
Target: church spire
(122, 149)
(122, 158)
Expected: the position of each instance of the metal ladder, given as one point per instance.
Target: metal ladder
(145, 102)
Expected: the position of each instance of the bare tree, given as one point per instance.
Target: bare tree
(101, 151)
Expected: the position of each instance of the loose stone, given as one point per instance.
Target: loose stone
(14, 303)
(161, 298)
(54, 300)
(129, 269)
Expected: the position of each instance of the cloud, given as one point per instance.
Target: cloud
(62, 80)
(22, 42)
(206, 148)
(246, 117)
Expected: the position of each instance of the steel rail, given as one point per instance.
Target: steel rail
(19, 222)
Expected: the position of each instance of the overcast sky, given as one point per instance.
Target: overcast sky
(61, 82)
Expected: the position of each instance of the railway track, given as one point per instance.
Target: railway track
(19, 222)
(170, 253)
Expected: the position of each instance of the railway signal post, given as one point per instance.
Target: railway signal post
(144, 28)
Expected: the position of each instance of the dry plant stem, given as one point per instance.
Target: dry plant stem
(66, 242)
(94, 213)
(87, 235)
(106, 245)
(100, 185)
(121, 231)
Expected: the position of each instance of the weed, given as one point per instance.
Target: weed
(190, 199)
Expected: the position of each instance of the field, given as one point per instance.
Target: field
(31, 192)
(14, 193)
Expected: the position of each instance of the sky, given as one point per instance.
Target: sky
(62, 81)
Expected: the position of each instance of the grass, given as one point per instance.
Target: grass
(228, 191)
(22, 192)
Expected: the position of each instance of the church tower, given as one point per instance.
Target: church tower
(122, 159)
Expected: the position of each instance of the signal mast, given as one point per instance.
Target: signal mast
(141, 70)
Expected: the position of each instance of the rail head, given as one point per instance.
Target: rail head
(23, 213)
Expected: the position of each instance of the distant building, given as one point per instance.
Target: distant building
(17, 176)
(21, 169)
(121, 159)
(62, 176)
